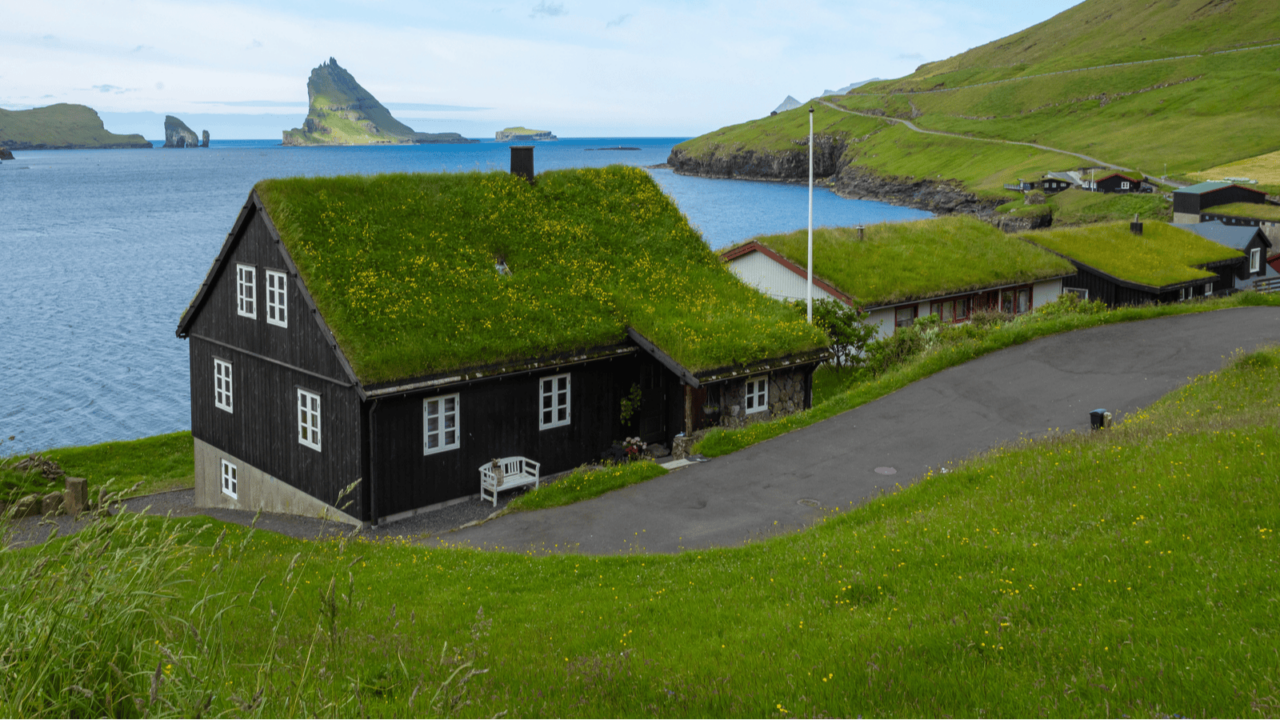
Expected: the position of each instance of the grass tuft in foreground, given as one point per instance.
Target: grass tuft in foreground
(155, 464)
(585, 484)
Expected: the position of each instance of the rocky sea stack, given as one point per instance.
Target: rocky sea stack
(344, 113)
(178, 135)
(5, 154)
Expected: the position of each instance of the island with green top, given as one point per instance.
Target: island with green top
(524, 134)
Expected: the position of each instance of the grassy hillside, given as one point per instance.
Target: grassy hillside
(1127, 572)
(1187, 114)
(60, 126)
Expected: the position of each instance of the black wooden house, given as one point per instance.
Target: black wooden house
(361, 346)
(1189, 203)
(1118, 183)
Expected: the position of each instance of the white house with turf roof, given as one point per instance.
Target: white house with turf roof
(898, 272)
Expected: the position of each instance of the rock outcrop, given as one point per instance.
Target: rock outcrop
(342, 112)
(178, 135)
(5, 154)
(204, 138)
(524, 134)
(833, 170)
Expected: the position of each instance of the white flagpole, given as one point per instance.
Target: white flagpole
(809, 289)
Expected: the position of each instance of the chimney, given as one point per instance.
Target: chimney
(1135, 227)
(522, 161)
(861, 232)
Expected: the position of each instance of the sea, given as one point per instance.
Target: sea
(101, 251)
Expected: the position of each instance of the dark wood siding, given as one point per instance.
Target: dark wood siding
(497, 418)
(1113, 184)
(263, 427)
(1193, 203)
(301, 344)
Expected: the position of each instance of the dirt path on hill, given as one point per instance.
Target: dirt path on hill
(912, 126)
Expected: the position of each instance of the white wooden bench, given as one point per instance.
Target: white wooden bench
(506, 473)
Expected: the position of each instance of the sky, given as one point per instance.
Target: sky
(609, 68)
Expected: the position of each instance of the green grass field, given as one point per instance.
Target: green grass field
(1128, 572)
(157, 464)
(1251, 210)
(1078, 207)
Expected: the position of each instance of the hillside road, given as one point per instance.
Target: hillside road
(789, 482)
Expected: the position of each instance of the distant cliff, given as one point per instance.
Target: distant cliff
(60, 127)
(344, 113)
(523, 134)
(178, 135)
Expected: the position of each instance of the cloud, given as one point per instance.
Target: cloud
(910, 56)
(430, 106)
(254, 45)
(159, 86)
(618, 20)
(548, 9)
(50, 38)
(141, 48)
(112, 89)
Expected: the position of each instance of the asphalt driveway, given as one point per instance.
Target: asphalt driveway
(786, 483)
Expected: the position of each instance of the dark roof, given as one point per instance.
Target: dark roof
(1233, 236)
(1208, 187)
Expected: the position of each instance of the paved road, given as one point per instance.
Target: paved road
(1022, 391)
(918, 129)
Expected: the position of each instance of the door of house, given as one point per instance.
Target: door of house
(648, 422)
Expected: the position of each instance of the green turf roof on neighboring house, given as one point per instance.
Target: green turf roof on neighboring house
(1246, 210)
(402, 267)
(904, 261)
(1162, 255)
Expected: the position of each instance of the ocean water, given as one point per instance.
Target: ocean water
(101, 250)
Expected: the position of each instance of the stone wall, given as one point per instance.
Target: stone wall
(787, 389)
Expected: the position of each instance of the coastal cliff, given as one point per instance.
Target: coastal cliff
(341, 112)
(523, 134)
(61, 127)
(178, 135)
(832, 170)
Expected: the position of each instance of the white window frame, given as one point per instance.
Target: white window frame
(230, 480)
(1255, 260)
(554, 401)
(277, 298)
(757, 395)
(223, 386)
(1124, 185)
(443, 428)
(1208, 289)
(309, 419)
(247, 291)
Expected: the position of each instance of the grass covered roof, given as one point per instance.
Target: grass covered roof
(918, 260)
(1161, 255)
(402, 267)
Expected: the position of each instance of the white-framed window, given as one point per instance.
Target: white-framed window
(1208, 289)
(1082, 292)
(222, 385)
(309, 419)
(246, 291)
(230, 479)
(277, 299)
(553, 411)
(1255, 260)
(440, 429)
(757, 394)
(1124, 186)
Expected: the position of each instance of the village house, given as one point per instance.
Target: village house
(1138, 263)
(1249, 240)
(1118, 183)
(898, 272)
(1191, 203)
(362, 346)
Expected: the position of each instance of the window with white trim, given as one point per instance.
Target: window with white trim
(553, 411)
(230, 479)
(277, 299)
(1255, 260)
(757, 394)
(440, 429)
(1124, 186)
(246, 291)
(309, 419)
(1208, 289)
(222, 385)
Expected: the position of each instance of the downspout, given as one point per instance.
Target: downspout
(373, 488)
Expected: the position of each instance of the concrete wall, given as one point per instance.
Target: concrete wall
(766, 275)
(256, 490)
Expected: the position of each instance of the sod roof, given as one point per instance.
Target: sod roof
(1161, 255)
(402, 267)
(897, 262)
(1246, 210)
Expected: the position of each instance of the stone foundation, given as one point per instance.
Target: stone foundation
(787, 390)
(256, 490)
